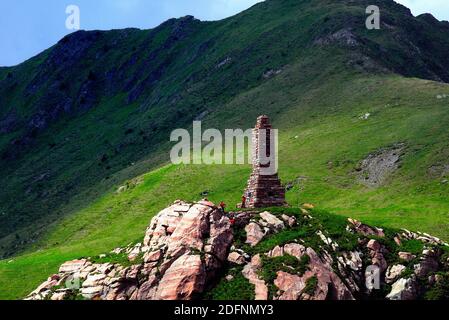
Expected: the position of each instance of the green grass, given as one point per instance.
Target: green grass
(58, 199)
(311, 285)
(271, 266)
(239, 288)
(411, 198)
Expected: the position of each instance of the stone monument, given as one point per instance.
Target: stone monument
(264, 188)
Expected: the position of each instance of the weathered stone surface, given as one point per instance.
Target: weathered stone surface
(254, 234)
(276, 252)
(403, 289)
(394, 272)
(406, 256)
(250, 272)
(73, 266)
(377, 252)
(295, 250)
(291, 286)
(59, 295)
(428, 263)
(187, 245)
(364, 229)
(185, 278)
(350, 266)
(264, 188)
(272, 220)
(236, 258)
(424, 237)
(152, 256)
(290, 220)
(94, 280)
(184, 247)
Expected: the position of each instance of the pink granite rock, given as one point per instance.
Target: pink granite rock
(254, 234)
(364, 229)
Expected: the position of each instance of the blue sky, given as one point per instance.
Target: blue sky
(27, 27)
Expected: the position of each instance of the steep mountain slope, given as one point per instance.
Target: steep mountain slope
(97, 109)
(74, 117)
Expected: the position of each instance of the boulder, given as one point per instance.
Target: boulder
(73, 266)
(377, 251)
(272, 221)
(428, 263)
(290, 285)
(183, 280)
(276, 252)
(328, 284)
(236, 258)
(364, 229)
(403, 289)
(184, 248)
(406, 256)
(394, 272)
(94, 280)
(250, 272)
(254, 234)
(290, 220)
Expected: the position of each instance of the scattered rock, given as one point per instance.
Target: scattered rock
(250, 272)
(254, 234)
(423, 237)
(272, 221)
(428, 264)
(364, 229)
(271, 73)
(229, 277)
(184, 247)
(344, 37)
(236, 258)
(290, 220)
(374, 170)
(406, 256)
(377, 251)
(365, 116)
(226, 61)
(403, 289)
(393, 273)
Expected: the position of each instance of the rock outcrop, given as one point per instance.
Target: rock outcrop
(191, 249)
(184, 248)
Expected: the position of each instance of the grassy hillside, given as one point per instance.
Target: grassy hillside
(77, 124)
(98, 107)
(412, 198)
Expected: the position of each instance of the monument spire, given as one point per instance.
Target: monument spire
(264, 188)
